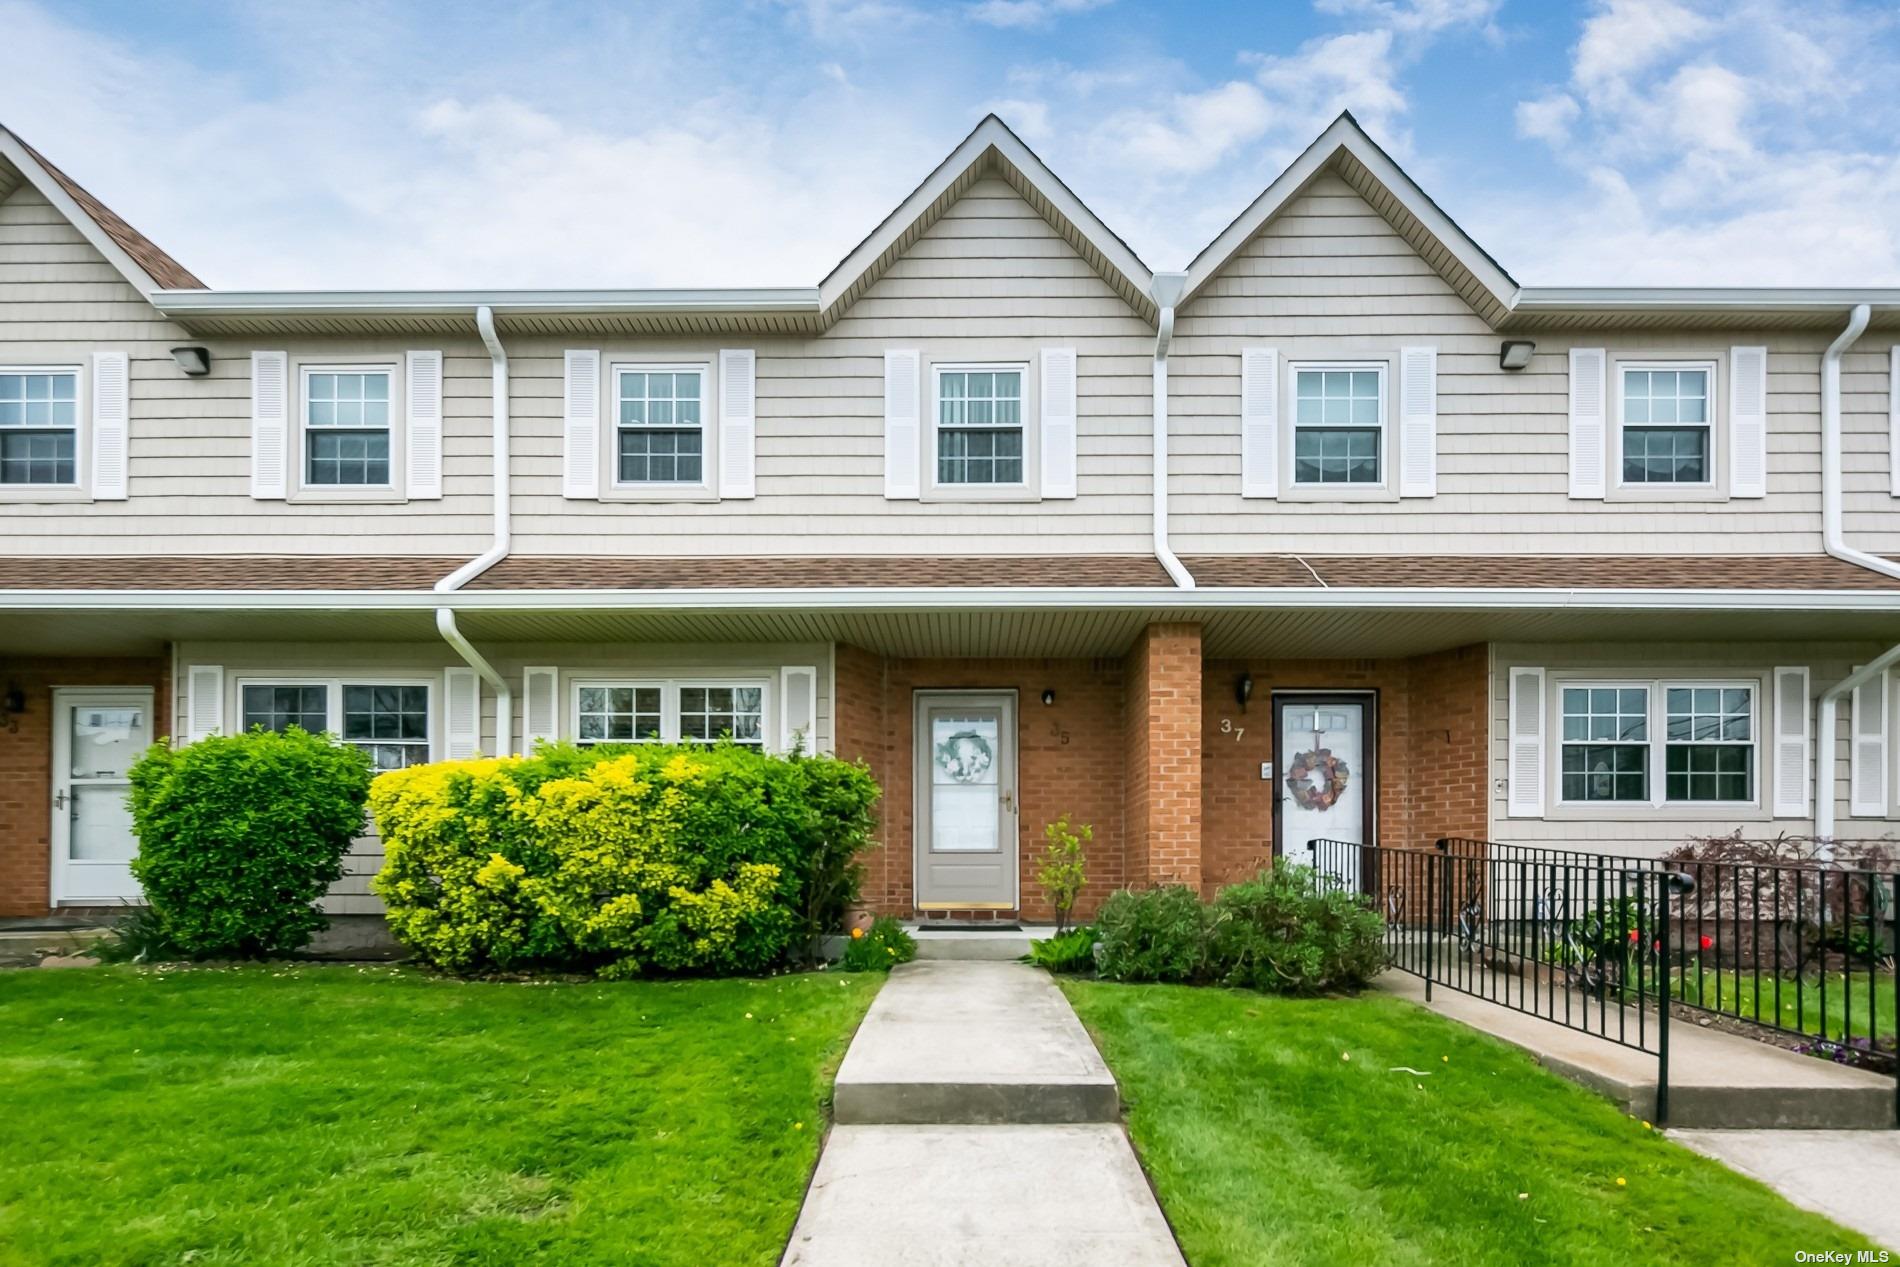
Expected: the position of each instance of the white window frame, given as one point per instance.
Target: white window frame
(391, 491)
(1031, 428)
(708, 431)
(670, 689)
(1716, 455)
(1657, 764)
(333, 684)
(81, 438)
(1291, 487)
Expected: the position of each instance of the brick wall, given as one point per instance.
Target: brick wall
(1162, 786)
(26, 751)
(1069, 760)
(1432, 736)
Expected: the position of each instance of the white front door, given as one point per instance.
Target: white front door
(965, 813)
(1325, 785)
(97, 735)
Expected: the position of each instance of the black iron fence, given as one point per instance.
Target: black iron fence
(1612, 945)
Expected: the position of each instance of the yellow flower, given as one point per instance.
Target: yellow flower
(798, 1126)
(1621, 1182)
(856, 934)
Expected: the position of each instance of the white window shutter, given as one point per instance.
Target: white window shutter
(270, 425)
(204, 701)
(111, 424)
(738, 406)
(1418, 422)
(1525, 798)
(580, 427)
(1867, 765)
(540, 706)
(422, 394)
(797, 707)
(1259, 422)
(1793, 709)
(1589, 422)
(1058, 422)
(903, 423)
(1748, 422)
(1893, 417)
(461, 714)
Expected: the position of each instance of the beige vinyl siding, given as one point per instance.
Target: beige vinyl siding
(1645, 831)
(1330, 277)
(990, 281)
(428, 661)
(190, 443)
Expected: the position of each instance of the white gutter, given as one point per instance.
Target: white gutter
(986, 598)
(496, 552)
(1834, 540)
(789, 299)
(1165, 290)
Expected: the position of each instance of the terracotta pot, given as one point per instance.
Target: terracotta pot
(857, 917)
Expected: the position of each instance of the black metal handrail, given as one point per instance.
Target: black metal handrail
(1803, 949)
(1572, 938)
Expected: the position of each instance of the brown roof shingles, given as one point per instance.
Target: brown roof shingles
(147, 254)
(263, 573)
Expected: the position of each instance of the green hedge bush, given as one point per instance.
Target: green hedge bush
(1282, 931)
(623, 859)
(240, 835)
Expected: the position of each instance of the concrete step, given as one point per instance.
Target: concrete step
(1717, 1080)
(972, 1043)
(1002, 1196)
(984, 945)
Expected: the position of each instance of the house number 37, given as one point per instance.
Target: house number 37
(1227, 727)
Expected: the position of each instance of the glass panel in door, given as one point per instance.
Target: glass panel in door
(103, 738)
(965, 791)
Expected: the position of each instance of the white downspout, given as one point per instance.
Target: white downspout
(1834, 541)
(498, 550)
(1165, 290)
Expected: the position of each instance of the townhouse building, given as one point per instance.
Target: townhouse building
(1340, 531)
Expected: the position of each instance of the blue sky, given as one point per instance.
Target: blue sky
(356, 143)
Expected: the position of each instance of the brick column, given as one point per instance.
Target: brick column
(1162, 768)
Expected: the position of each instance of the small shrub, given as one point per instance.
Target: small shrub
(1064, 869)
(1073, 951)
(240, 835)
(621, 860)
(1153, 935)
(1284, 933)
(879, 948)
(138, 936)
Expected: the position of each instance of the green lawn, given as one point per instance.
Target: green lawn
(297, 1115)
(1277, 1131)
(1870, 1009)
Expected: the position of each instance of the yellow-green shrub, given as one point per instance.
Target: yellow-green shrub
(620, 860)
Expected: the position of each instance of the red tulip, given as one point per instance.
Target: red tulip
(1634, 935)
(1707, 942)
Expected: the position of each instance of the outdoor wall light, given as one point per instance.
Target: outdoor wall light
(196, 362)
(1243, 690)
(1515, 354)
(14, 701)
(1048, 697)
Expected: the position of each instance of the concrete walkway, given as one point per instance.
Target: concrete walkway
(1717, 1080)
(1852, 1177)
(977, 1125)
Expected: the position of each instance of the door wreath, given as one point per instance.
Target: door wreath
(1317, 779)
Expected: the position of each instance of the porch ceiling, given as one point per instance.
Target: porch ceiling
(1228, 632)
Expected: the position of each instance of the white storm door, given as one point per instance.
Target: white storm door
(966, 837)
(1325, 779)
(97, 735)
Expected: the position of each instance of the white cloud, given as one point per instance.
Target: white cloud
(1548, 118)
(1415, 15)
(1029, 13)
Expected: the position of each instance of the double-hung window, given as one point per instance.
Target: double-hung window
(1667, 438)
(1657, 743)
(660, 425)
(1338, 424)
(388, 720)
(980, 425)
(670, 712)
(346, 427)
(39, 426)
